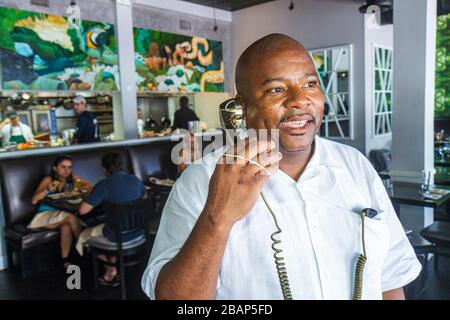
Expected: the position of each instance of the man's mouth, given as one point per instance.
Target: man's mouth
(294, 124)
(297, 124)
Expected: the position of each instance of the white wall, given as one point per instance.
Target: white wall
(413, 99)
(207, 107)
(316, 24)
(384, 36)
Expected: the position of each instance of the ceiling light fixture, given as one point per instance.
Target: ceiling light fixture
(74, 15)
(291, 5)
(215, 28)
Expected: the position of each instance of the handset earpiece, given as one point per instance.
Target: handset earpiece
(231, 113)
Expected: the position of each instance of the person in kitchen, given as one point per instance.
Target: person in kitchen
(140, 122)
(12, 130)
(87, 125)
(183, 115)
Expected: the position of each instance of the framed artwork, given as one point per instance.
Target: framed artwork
(25, 117)
(40, 51)
(168, 62)
(41, 121)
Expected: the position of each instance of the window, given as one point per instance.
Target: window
(333, 65)
(382, 90)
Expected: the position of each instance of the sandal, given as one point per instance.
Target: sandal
(65, 263)
(113, 283)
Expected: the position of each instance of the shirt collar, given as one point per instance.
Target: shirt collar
(321, 159)
(322, 156)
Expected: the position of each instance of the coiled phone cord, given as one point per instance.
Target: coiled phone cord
(281, 269)
(280, 265)
(359, 269)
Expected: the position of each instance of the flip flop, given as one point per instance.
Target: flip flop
(113, 283)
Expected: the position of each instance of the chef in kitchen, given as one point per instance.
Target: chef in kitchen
(87, 126)
(14, 131)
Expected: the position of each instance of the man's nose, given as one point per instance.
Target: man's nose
(298, 98)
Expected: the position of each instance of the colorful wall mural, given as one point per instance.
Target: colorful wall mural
(442, 94)
(167, 62)
(44, 52)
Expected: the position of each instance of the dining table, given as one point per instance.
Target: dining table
(70, 202)
(66, 201)
(411, 194)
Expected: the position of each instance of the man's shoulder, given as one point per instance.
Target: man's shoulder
(202, 169)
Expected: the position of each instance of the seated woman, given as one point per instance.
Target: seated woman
(61, 179)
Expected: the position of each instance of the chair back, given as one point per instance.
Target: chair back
(380, 159)
(126, 218)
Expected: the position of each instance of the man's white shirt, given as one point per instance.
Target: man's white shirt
(321, 231)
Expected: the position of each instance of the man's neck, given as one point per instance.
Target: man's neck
(294, 163)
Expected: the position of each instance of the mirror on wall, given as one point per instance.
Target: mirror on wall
(334, 67)
(382, 74)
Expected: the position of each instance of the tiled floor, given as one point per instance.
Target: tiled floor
(53, 285)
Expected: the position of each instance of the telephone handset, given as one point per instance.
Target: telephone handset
(231, 113)
(231, 117)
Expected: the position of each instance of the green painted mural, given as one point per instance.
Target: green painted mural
(442, 94)
(44, 52)
(167, 62)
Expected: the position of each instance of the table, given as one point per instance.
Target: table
(408, 193)
(61, 204)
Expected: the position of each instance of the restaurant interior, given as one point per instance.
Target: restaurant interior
(383, 66)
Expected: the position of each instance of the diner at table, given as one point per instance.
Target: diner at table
(61, 179)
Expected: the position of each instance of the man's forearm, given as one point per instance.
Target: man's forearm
(395, 294)
(193, 273)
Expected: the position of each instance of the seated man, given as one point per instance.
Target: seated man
(118, 187)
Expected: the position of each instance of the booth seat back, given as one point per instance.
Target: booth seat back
(153, 160)
(19, 179)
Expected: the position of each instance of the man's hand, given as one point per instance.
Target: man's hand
(233, 190)
(236, 183)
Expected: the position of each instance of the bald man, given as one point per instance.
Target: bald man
(222, 222)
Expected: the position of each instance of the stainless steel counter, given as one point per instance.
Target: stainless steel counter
(99, 145)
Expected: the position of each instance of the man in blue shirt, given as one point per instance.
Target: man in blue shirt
(118, 187)
(87, 125)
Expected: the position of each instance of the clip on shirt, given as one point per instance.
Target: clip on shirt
(370, 213)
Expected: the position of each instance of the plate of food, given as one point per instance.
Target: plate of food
(65, 195)
(162, 182)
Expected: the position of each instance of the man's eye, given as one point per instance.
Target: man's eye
(311, 84)
(276, 90)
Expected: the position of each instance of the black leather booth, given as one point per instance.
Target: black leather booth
(20, 177)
